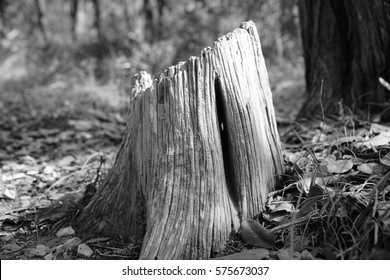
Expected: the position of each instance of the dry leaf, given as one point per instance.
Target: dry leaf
(6, 238)
(385, 160)
(370, 168)
(337, 166)
(256, 235)
(382, 139)
(284, 206)
(10, 193)
(66, 161)
(12, 177)
(65, 232)
(377, 128)
(40, 250)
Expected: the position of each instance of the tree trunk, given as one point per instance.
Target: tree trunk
(3, 6)
(153, 10)
(126, 15)
(200, 153)
(346, 48)
(96, 19)
(39, 21)
(74, 4)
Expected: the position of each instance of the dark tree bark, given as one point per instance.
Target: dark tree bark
(149, 20)
(96, 19)
(200, 154)
(346, 49)
(74, 5)
(39, 21)
(153, 10)
(3, 6)
(126, 15)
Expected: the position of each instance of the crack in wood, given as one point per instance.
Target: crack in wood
(230, 176)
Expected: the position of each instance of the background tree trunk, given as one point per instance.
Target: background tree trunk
(153, 10)
(96, 19)
(3, 6)
(39, 21)
(74, 4)
(201, 152)
(346, 49)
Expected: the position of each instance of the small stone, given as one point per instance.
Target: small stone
(65, 232)
(71, 244)
(83, 250)
(48, 169)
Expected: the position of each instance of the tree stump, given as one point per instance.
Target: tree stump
(200, 153)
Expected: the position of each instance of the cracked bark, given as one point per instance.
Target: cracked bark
(200, 153)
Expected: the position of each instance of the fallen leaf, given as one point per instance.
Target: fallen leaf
(40, 250)
(377, 128)
(29, 160)
(65, 232)
(10, 193)
(370, 168)
(11, 247)
(320, 181)
(278, 217)
(81, 125)
(382, 139)
(12, 177)
(66, 161)
(6, 238)
(256, 235)
(284, 206)
(337, 166)
(385, 160)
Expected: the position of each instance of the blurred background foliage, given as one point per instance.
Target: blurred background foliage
(99, 43)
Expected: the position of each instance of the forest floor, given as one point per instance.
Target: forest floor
(60, 136)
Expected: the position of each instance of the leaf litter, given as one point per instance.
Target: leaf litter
(52, 155)
(333, 203)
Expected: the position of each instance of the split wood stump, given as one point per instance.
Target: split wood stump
(200, 153)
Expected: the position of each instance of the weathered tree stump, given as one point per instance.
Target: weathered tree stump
(200, 153)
